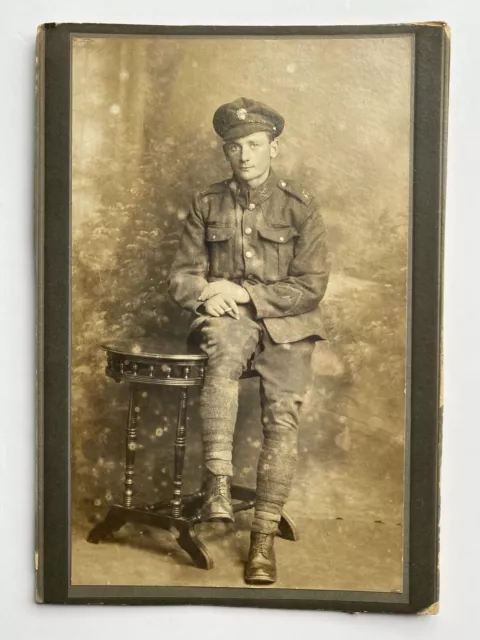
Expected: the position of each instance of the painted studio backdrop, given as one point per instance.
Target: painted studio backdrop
(142, 143)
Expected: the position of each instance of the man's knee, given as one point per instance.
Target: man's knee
(228, 343)
(280, 416)
(285, 369)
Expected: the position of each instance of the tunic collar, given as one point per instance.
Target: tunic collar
(245, 196)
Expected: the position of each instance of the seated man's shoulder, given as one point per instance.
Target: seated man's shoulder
(203, 198)
(296, 190)
(214, 188)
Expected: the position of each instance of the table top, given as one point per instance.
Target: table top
(161, 349)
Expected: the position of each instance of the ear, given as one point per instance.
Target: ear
(274, 148)
(225, 150)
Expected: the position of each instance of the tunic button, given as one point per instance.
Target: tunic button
(248, 254)
(251, 206)
(248, 231)
(282, 238)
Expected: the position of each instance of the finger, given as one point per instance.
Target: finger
(232, 308)
(219, 309)
(205, 294)
(222, 309)
(231, 313)
(221, 302)
(211, 310)
(225, 304)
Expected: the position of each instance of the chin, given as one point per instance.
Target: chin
(247, 174)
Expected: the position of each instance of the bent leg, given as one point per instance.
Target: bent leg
(228, 343)
(285, 371)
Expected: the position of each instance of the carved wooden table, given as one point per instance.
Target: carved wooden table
(140, 362)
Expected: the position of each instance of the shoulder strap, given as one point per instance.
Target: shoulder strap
(296, 191)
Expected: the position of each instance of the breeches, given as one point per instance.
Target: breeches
(285, 375)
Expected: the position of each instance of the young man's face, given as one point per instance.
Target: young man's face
(250, 156)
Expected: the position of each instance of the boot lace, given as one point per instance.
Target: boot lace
(220, 486)
(262, 545)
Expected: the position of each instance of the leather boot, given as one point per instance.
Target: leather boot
(218, 502)
(261, 566)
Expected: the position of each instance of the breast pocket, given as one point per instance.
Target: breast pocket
(220, 249)
(278, 249)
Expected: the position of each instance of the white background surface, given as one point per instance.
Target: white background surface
(460, 566)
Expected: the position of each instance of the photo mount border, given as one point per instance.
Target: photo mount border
(53, 341)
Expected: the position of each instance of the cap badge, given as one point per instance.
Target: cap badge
(241, 114)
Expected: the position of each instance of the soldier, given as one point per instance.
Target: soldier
(252, 267)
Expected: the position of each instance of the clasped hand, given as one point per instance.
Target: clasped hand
(223, 297)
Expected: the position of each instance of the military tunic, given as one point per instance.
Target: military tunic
(270, 240)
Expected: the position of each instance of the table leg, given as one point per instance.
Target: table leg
(131, 445)
(179, 453)
(190, 542)
(115, 519)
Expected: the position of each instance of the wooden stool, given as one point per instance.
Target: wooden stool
(139, 363)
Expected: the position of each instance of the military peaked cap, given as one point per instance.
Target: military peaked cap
(245, 116)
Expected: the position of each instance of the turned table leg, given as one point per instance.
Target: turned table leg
(179, 455)
(131, 445)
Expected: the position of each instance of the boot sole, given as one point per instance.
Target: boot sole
(219, 519)
(260, 579)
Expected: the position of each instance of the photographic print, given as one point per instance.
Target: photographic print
(240, 314)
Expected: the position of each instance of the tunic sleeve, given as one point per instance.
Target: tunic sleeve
(188, 273)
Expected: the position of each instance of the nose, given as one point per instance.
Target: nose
(245, 154)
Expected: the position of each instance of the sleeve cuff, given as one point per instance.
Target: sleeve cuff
(270, 303)
(249, 288)
(197, 307)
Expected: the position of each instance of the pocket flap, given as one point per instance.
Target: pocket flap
(217, 234)
(279, 234)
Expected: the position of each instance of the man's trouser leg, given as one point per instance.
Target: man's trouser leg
(228, 343)
(285, 371)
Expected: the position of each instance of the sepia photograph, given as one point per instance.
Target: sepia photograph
(240, 215)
